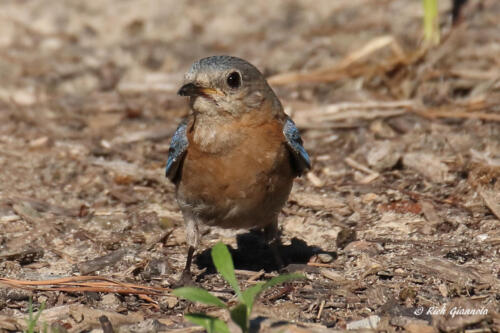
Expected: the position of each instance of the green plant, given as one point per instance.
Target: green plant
(33, 318)
(431, 21)
(240, 313)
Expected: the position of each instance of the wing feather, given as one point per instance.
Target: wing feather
(301, 159)
(177, 151)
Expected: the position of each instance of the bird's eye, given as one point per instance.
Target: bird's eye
(234, 80)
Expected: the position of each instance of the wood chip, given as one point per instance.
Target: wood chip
(315, 180)
(492, 200)
(429, 165)
(356, 165)
(318, 201)
(449, 271)
(97, 264)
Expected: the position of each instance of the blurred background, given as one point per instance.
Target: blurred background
(399, 116)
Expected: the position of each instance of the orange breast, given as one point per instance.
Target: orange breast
(242, 177)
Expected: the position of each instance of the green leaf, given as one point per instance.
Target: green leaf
(281, 279)
(250, 294)
(224, 265)
(239, 315)
(194, 294)
(211, 324)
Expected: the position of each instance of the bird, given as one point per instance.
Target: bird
(234, 158)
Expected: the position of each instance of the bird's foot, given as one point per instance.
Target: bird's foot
(185, 280)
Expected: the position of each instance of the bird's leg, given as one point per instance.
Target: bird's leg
(193, 241)
(272, 235)
(187, 267)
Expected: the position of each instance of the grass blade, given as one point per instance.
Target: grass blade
(281, 279)
(239, 315)
(194, 294)
(250, 294)
(33, 319)
(431, 23)
(224, 265)
(211, 324)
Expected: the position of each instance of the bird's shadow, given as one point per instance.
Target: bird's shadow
(254, 254)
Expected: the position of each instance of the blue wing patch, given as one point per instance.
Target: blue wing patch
(177, 150)
(301, 159)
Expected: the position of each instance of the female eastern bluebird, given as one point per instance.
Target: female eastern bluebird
(234, 158)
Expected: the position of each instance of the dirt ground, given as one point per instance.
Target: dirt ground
(398, 221)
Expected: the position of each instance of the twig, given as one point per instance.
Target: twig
(250, 274)
(460, 114)
(479, 330)
(379, 105)
(339, 70)
(356, 165)
(332, 115)
(63, 255)
(84, 283)
(321, 307)
(161, 239)
(372, 175)
(318, 264)
(359, 114)
(283, 291)
(475, 74)
(153, 303)
(256, 276)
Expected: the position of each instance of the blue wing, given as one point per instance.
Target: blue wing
(301, 159)
(177, 150)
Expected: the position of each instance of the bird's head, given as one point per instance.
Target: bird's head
(226, 86)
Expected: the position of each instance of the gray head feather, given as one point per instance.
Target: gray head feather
(211, 75)
(221, 64)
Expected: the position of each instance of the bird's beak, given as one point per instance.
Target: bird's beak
(191, 89)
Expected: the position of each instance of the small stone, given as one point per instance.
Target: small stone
(383, 156)
(370, 322)
(110, 301)
(325, 258)
(42, 299)
(382, 130)
(363, 246)
(171, 301)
